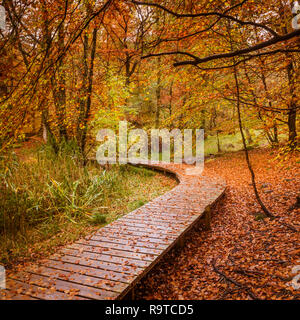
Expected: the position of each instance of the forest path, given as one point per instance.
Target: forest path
(109, 263)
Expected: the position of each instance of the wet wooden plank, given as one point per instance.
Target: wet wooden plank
(66, 287)
(160, 217)
(36, 292)
(158, 233)
(117, 272)
(131, 237)
(138, 242)
(162, 237)
(149, 227)
(8, 295)
(92, 278)
(98, 253)
(152, 221)
(96, 244)
(183, 211)
(81, 256)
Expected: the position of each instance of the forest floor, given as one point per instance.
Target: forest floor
(244, 255)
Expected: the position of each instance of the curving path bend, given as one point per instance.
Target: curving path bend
(108, 264)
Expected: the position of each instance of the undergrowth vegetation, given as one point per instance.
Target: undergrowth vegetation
(52, 195)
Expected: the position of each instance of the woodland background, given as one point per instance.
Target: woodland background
(71, 67)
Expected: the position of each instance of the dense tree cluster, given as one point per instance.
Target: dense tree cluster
(68, 67)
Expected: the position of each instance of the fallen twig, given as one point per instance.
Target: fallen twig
(248, 290)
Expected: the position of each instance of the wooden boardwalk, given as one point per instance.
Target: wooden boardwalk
(109, 263)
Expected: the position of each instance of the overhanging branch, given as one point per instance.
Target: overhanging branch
(196, 60)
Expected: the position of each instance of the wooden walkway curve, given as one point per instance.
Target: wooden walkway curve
(109, 263)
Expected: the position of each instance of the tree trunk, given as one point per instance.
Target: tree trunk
(158, 95)
(292, 77)
(264, 208)
(292, 106)
(238, 106)
(171, 99)
(47, 132)
(59, 86)
(219, 144)
(87, 89)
